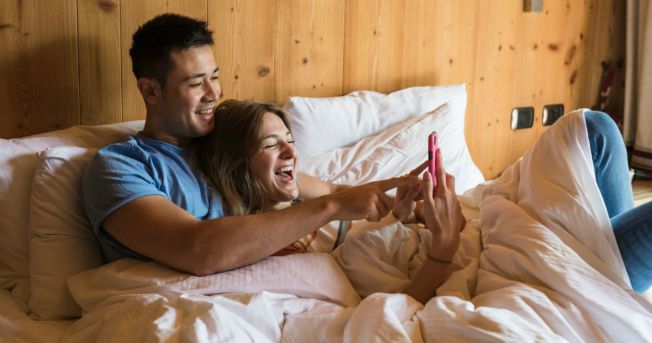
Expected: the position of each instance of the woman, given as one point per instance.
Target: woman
(251, 159)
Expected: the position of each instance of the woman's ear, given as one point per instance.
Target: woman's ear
(150, 90)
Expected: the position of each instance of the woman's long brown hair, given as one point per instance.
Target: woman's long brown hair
(223, 155)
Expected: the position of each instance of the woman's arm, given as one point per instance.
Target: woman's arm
(443, 217)
(311, 187)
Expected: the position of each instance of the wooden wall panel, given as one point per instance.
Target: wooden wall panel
(13, 120)
(309, 48)
(100, 61)
(244, 47)
(373, 45)
(48, 83)
(132, 15)
(526, 29)
(192, 8)
(270, 49)
(490, 99)
(439, 42)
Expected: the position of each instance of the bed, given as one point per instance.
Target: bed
(537, 262)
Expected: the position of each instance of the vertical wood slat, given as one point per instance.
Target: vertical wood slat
(490, 104)
(373, 45)
(132, 15)
(53, 73)
(197, 9)
(559, 39)
(439, 39)
(309, 48)
(43, 65)
(13, 85)
(527, 62)
(99, 61)
(244, 47)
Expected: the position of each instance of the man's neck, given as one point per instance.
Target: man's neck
(149, 132)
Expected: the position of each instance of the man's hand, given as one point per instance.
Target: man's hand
(404, 204)
(367, 201)
(417, 171)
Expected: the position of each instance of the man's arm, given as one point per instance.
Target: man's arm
(158, 229)
(311, 187)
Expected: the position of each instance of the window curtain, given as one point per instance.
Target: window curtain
(637, 125)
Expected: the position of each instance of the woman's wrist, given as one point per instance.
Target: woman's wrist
(441, 254)
(438, 259)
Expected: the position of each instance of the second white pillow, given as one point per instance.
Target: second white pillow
(323, 124)
(398, 150)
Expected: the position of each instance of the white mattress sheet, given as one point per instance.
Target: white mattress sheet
(17, 326)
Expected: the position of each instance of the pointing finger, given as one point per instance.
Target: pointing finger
(394, 182)
(416, 171)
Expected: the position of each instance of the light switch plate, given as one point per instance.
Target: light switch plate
(551, 113)
(532, 5)
(522, 117)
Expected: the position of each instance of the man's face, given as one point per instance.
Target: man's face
(187, 105)
(274, 162)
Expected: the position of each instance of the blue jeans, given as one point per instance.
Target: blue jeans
(632, 226)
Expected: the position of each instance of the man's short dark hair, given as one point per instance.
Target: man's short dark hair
(156, 39)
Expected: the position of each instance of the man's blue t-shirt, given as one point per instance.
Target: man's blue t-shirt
(139, 166)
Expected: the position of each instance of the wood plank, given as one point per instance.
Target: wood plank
(13, 72)
(492, 102)
(373, 45)
(244, 47)
(309, 48)
(132, 15)
(99, 61)
(557, 44)
(528, 59)
(197, 9)
(439, 39)
(48, 77)
(582, 61)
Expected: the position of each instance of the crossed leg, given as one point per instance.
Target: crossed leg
(632, 226)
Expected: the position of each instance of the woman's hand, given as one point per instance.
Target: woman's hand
(442, 213)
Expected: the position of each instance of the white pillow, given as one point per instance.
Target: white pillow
(324, 124)
(398, 150)
(18, 161)
(17, 166)
(61, 241)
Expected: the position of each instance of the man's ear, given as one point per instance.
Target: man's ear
(150, 90)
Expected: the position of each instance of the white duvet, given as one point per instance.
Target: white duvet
(538, 262)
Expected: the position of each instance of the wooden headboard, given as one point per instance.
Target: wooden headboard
(66, 62)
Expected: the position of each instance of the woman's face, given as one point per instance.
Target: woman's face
(274, 162)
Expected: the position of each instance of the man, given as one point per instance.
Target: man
(145, 200)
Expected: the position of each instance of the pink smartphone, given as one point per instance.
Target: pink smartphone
(432, 151)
